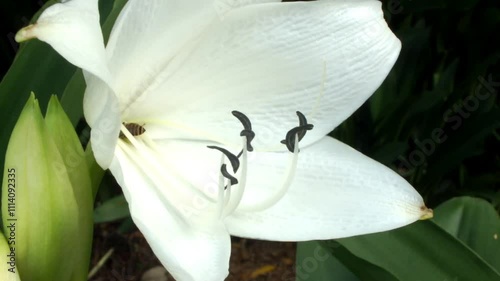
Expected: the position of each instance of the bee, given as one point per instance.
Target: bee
(134, 129)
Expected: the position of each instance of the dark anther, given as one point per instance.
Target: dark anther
(243, 119)
(289, 140)
(247, 125)
(299, 131)
(249, 135)
(302, 122)
(233, 159)
(227, 175)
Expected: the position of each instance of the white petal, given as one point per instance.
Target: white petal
(193, 253)
(323, 58)
(148, 34)
(336, 192)
(72, 29)
(224, 6)
(102, 113)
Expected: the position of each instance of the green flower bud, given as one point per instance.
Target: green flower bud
(39, 208)
(74, 159)
(8, 270)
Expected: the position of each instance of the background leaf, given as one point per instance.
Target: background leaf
(421, 251)
(475, 222)
(113, 209)
(316, 263)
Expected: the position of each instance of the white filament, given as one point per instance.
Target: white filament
(192, 188)
(236, 199)
(280, 192)
(221, 200)
(151, 170)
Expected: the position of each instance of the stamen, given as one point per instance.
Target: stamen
(233, 159)
(247, 125)
(234, 201)
(302, 122)
(243, 119)
(221, 200)
(164, 164)
(150, 170)
(249, 135)
(299, 131)
(290, 140)
(227, 175)
(287, 181)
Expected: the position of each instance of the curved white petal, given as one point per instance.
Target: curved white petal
(145, 38)
(193, 251)
(224, 6)
(337, 192)
(323, 58)
(148, 35)
(72, 29)
(102, 112)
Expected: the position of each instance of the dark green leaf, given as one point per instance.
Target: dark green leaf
(421, 251)
(315, 263)
(475, 222)
(111, 210)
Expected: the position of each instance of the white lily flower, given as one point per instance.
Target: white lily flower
(164, 89)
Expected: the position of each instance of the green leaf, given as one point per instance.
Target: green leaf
(475, 222)
(363, 269)
(315, 263)
(72, 98)
(112, 210)
(421, 251)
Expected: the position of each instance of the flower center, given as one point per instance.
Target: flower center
(232, 180)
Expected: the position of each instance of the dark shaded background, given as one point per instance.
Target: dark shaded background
(13, 16)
